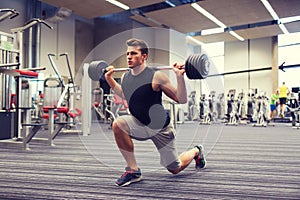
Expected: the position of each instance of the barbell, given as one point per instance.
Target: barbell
(196, 66)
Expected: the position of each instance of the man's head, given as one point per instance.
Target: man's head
(137, 52)
(133, 42)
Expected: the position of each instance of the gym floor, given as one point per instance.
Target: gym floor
(243, 162)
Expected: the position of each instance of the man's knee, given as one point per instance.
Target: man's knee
(119, 126)
(115, 126)
(174, 171)
(175, 167)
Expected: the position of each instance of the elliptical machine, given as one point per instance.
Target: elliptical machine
(294, 109)
(261, 108)
(192, 108)
(209, 109)
(251, 112)
(202, 105)
(232, 109)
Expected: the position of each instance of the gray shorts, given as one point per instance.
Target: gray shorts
(163, 139)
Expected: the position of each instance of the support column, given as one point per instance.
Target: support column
(274, 63)
(86, 101)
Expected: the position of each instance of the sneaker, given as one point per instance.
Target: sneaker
(200, 160)
(129, 176)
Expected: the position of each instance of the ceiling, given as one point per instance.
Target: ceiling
(247, 18)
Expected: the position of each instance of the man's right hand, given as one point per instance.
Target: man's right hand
(109, 71)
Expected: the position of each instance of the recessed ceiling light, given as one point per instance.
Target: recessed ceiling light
(119, 4)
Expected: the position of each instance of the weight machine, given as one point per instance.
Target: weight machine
(117, 106)
(61, 110)
(8, 13)
(13, 66)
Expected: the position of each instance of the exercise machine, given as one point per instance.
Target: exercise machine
(16, 101)
(261, 110)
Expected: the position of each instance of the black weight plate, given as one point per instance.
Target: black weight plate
(96, 69)
(194, 74)
(189, 68)
(101, 66)
(205, 66)
(200, 67)
(91, 71)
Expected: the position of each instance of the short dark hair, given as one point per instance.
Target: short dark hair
(136, 42)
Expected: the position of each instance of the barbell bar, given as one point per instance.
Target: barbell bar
(196, 66)
(97, 69)
(281, 67)
(155, 68)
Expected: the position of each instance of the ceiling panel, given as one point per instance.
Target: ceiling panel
(58, 3)
(237, 12)
(219, 37)
(293, 27)
(250, 33)
(182, 18)
(140, 3)
(186, 19)
(96, 8)
(91, 8)
(88, 8)
(286, 8)
(145, 21)
(260, 32)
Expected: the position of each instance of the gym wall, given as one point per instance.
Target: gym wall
(59, 40)
(288, 48)
(250, 54)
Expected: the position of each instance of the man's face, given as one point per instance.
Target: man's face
(135, 57)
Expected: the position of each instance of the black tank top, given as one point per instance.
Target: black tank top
(145, 104)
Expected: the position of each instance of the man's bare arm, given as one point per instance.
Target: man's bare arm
(178, 94)
(115, 86)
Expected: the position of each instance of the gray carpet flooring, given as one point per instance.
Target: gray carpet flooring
(243, 162)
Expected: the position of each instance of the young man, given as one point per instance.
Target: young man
(142, 87)
(273, 103)
(283, 94)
